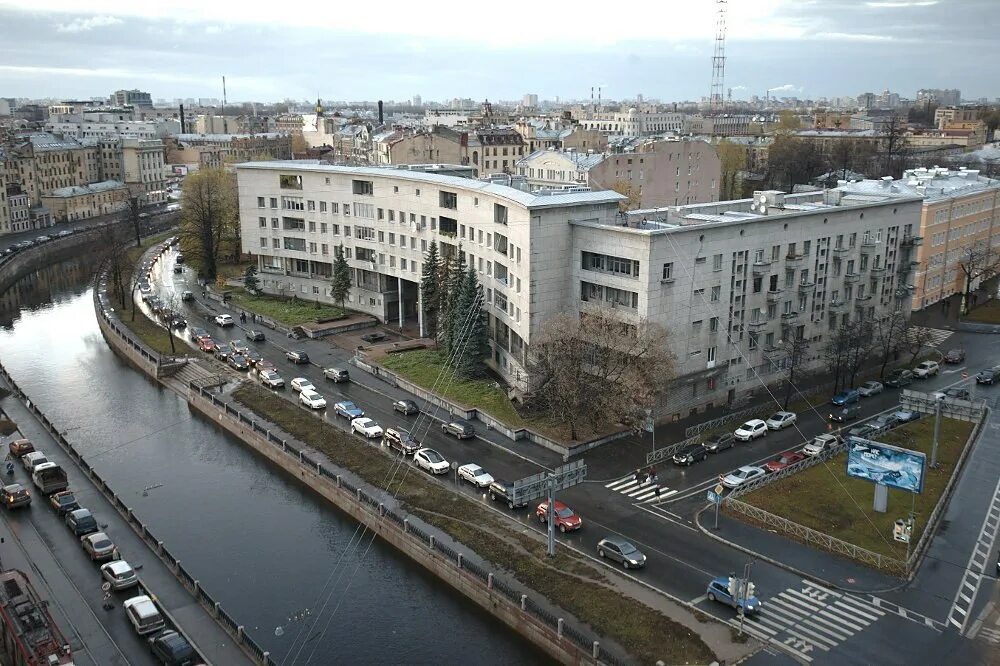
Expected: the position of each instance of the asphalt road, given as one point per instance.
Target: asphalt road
(681, 560)
(7, 240)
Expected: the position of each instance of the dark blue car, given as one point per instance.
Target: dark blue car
(846, 397)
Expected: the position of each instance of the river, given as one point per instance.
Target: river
(278, 559)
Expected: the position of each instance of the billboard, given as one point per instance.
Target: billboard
(886, 464)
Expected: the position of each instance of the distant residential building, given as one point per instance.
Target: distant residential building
(967, 135)
(545, 134)
(81, 202)
(46, 162)
(530, 101)
(961, 213)
(942, 97)
(950, 114)
(495, 150)
(214, 150)
(289, 123)
(213, 124)
(131, 98)
(728, 125)
(143, 169)
(633, 122)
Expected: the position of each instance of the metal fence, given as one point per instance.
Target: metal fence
(368, 499)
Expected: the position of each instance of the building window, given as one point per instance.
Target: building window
(500, 214)
(668, 271)
(322, 206)
(287, 182)
(448, 226)
(274, 202)
(362, 187)
(713, 324)
(716, 292)
(261, 202)
(263, 242)
(298, 244)
(448, 200)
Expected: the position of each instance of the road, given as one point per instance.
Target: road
(8, 240)
(848, 625)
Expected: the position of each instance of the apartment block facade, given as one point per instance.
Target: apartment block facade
(730, 280)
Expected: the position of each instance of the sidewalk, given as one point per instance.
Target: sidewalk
(947, 317)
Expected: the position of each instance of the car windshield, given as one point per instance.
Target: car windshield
(747, 426)
(476, 471)
(627, 548)
(433, 456)
(564, 512)
(103, 543)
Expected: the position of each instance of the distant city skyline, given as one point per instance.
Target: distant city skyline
(805, 49)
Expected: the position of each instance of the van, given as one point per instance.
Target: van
(143, 614)
(846, 412)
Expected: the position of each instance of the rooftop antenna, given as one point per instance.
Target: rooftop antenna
(716, 99)
(225, 125)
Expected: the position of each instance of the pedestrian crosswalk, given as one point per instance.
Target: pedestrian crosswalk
(991, 636)
(811, 618)
(640, 491)
(930, 337)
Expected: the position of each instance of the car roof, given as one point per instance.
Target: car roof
(618, 541)
(13, 487)
(473, 466)
(748, 468)
(753, 422)
(118, 566)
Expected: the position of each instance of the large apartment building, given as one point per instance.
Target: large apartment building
(730, 280)
(960, 215)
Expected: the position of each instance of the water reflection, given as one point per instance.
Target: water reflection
(54, 283)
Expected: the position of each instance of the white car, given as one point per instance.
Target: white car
(870, 388)
(820, 443)
(475, 475)
(302, 384)
(33, 460)
(781, 420)
(367, 427)
(224, 320)
(431, 461)
(310, 398)
(926, 369)
(120, 574)
(742, 475)
(752, 429)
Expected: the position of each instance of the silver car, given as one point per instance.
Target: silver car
(620, 550)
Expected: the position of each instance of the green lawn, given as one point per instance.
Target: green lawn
(151, 333)
(284, 310)
(568, 580)
(226, 271)
(824, 498)
(987, 314)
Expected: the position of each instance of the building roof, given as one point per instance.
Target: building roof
(934, 184)
(228, 137)
(580, 161)
(526, 199)
(93, 188)
(43, 141)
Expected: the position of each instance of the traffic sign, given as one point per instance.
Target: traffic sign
(537, 485)
(714, 498)
(718, 489)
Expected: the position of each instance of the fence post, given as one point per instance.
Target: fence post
(597, 649)
(300, 456)
(338, 481)
(239, 634)
(381, 509)
(197, 586)
(159, 547)
(177, 566)
(460, 560)
(217, 608)
(432, 542)
(559, 627)
(489, 581)
(406, 521)
(524, 602)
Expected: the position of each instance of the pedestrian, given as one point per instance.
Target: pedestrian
(106, 604)
(115, 554)
(657, 491)
(638, 475)
(253, 317)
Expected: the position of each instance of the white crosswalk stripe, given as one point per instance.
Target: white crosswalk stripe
(639, 491)
(931, 337)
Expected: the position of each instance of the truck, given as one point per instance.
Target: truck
(49, 478)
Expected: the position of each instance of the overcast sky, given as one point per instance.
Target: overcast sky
(441, 49)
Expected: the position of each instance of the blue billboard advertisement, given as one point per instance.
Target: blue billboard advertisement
(886, 464)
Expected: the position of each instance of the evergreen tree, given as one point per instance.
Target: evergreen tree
(430, 288)
(470, 362)
(452, 326)
(250, 281)
(340, 282)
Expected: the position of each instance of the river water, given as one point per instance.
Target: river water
(282, 563)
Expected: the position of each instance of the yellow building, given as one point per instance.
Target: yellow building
(82, 202)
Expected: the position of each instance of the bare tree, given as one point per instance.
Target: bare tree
(846, 352)
(917, 337)
(888, 338)
(119, 271)
(790, 356)
(596, 369)
(733, 160)
(209, 219)
(980, 262)
(895, 149)
(133, 210)
(632, 194)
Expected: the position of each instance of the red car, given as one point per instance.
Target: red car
(207, 345)
(566, 520)
(784, 460)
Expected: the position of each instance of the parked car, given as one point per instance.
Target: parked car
(20, 447)
(297, 356)
(271, 379)
(926, 369)
(238, 347)
(406, 407)
(178, 269)
(377, 336)
(954, 392)
(401, 440)
(954, 356)
(751, 430)
(187, 295)
(255, 335)
(870, 388)
(899, 377)
(501, 491)
(475, 475)
(784, 460)
(716, 443)
(302, 384)
(718, 590)
(906, 415)
(30, 460)
(851, 410)
(987, 376)
(742, 475)
(821, 444)
(431, 461)
(239, 362)
(781, 420)
(63, 502)
(311, 399)
(846, 396)
(143, 614)
(337, 375)
(620, 550)
(459, 428)
(98, 546)
(224, 320)
(366, 427)
(690, 455)
(199, 333)
(565, 519)
(15, 495)
(253, 357)
(884, 422)
(119, 574)
(172, 649)
(221, 353)
(864, 431)
(81, 522)
(348, 410)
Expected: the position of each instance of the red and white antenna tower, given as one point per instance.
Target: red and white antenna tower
(716, 99)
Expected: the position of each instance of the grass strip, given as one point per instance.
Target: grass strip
(568, 580)
(288, 311)
(824, 498)
(155, 337)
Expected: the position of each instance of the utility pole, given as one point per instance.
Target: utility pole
(937, 431)
(552, 516)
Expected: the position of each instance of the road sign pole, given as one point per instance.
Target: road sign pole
(937, 432)
(717, 503)
(551, 516)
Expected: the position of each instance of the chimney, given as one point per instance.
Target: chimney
(380, 112)
(182, 118)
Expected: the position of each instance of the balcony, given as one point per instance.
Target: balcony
(837, 305)
(851, 278)
(806, 286)
(868, 243)
(911, 241)
(794, 259)
(789, 315)
(761, 267)
(841, 249)
(758, 322)
(773, 353)
(904, 292)
(774, 296)
(877, 270)
(863, 299)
